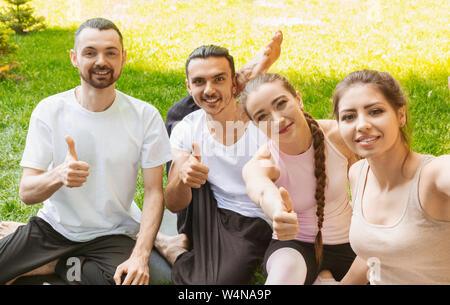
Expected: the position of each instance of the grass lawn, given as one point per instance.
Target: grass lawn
(323, 41)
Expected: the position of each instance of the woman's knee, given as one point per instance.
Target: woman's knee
(286, 266)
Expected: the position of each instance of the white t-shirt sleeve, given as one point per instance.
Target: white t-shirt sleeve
(156, 146)
(38, 153)
(181, 137)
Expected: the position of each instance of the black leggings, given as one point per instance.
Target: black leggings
(336, 258)
(37, 244)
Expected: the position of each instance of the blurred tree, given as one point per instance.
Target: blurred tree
(18, 16)
(5, 45)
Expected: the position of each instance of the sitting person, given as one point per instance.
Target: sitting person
(299, 179)
(401, 199)
(89, 220)
(223, 234)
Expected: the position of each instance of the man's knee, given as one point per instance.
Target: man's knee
(82, 271)
(94, 274)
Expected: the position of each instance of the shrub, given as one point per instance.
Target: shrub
(18, 16)
(5, 45)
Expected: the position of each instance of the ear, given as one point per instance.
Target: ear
(299, 98)
(234, 85)
(188, 87)
(124, 57)
(73, 58)
(401, 114)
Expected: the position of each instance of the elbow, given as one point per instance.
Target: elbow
(24, 197)
(175, 204)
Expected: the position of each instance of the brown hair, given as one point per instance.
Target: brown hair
(384, 83)
(319, 151)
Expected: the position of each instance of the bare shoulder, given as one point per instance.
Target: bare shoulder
(353, 172)
(434, 188)
(328, 126)
(436, 174)
(331, 131)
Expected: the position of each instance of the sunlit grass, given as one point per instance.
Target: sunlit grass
(323, 41)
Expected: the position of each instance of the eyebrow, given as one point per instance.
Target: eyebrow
(214, 76)
(273, 102)
(365, 107)
(92, 48)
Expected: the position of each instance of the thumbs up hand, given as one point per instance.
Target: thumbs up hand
(285, 222)
(73, 173)
(193, 173)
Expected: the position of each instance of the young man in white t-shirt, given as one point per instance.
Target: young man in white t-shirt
(223, 233)
(82, 156)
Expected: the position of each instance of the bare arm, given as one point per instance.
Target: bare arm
(261, 63)
(177, 194)
(136, 267)
(37, 185)
(185, 173)
(434, 188)
(259, 175)
(357, 274)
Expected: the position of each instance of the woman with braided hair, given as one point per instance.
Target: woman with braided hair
(299, 178)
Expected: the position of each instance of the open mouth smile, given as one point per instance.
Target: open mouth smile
(210, 100)
(366, 140)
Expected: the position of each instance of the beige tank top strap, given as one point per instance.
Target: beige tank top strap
(414, 190)
(357, 197)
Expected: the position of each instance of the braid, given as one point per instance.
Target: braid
(319, 173)
(319, 151)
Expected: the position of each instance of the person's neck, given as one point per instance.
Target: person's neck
(302, 142)
(93, 99)
(229, 125)
(390, 168)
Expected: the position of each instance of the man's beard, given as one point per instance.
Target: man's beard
(97, 83)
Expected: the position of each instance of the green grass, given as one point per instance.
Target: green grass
(323, 41)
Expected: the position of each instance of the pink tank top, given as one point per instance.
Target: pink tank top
(297, 177)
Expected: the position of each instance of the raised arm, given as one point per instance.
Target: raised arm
(37, 185)
(259, 175)
(186, 172)
(261, 63)
(434, 188)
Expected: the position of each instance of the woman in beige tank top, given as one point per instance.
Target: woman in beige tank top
(401, 199)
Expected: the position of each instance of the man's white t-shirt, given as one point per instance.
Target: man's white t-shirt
(225, 162)
(115, 142)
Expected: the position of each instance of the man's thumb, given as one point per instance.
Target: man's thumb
(287, 202)
(196, 151)
(71, 147)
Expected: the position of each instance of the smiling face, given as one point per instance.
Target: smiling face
(210, 82)
(99, 57)
(276, 112)
(368, 123)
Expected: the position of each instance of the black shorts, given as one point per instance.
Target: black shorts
(336, 258)
(37, 243)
